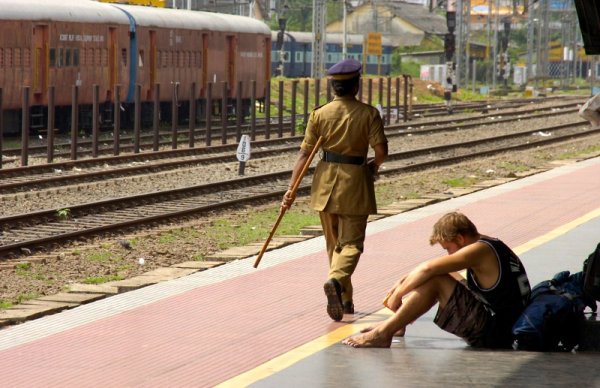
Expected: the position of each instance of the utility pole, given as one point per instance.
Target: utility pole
(345, 35)
(530, 21)
(282, 19)
(318, 44)
(449, 53)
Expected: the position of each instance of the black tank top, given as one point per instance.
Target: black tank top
(509, 296)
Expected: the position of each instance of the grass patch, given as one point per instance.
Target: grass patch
(102, 279)
(588, 150)
(4, 304)
(387, 194)
(172, 236)
(257, 226)
(26, 296)
(513, 167)
(460, 181)
(101, 257)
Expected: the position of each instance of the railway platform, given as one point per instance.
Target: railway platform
(237, 326)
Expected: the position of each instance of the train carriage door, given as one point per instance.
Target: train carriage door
(112, 60)
(231, 63)
(267, 58)
(205, 39)
(40, 67)
(152, 63)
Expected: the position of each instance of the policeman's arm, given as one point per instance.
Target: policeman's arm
(381, 153)
(289, 197)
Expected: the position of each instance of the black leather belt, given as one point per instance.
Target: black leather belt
(332, 157)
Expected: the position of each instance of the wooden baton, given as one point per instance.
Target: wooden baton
(294, 188)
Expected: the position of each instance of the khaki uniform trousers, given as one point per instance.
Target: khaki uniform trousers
(344, 236)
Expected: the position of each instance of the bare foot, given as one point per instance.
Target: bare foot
(370, 339)
(368, 329)
(398, 333)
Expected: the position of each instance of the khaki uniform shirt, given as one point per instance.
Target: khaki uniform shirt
(349, 128)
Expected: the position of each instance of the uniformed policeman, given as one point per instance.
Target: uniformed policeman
(342, 188)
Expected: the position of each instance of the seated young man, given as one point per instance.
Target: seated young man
(481, 309)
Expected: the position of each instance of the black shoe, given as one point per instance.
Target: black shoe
(348, 307)
(333, 291)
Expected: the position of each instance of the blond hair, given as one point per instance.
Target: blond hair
(447, 228)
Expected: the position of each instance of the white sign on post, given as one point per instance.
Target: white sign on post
(243, 150)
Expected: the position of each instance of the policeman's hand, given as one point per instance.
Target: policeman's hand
(373, 167)
(288, 199)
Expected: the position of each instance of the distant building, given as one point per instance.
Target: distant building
(253, 8)
(403, 23)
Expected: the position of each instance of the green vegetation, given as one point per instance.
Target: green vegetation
(102, 257)
(102, 279)
(589, 150)
(26, 296)
(461, 181)
(512, 167)
(4, 304)
(63, 214)
(173, 236)
(258, 226)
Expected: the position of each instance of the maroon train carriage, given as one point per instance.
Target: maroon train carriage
(59, 43)
(66, 43)
(199, 47)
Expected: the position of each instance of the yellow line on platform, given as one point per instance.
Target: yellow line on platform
(563, 229)
(295, 355)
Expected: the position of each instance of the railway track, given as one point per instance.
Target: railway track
(62, 150)
(41, 176)
(30, 231)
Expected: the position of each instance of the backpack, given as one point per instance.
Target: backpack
(591, 276)
(551, 321)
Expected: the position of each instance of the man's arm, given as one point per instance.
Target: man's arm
(468, 257)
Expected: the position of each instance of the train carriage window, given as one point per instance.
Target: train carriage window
(163, 58)
(298, 58)
(98, 57)
(76, 57)
(17, 57)
(104, 60)
(67, 57)
(141, 58)
(1, 57)
(124, 57)
(90, 57)
(9, 57)
(61, 55)
(27, 57)
(330, 58)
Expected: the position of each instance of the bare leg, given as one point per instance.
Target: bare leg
(416, 304)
